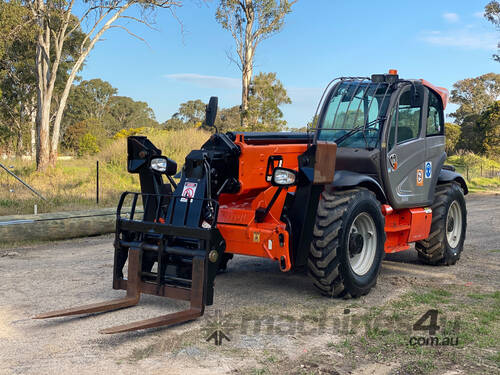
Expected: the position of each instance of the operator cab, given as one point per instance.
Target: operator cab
(389, 129)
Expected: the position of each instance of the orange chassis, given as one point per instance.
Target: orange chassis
(270, 238)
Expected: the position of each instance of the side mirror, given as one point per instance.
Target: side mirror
(211, 111)
(164, 165)
(284, 177)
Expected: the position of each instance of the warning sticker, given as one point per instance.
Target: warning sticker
(188, 190)
(420, 177)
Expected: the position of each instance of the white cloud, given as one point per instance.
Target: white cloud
(451, 17)
(466, 38)
(206, 81)
(479, 14)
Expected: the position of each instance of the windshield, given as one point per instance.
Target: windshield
(352, 104)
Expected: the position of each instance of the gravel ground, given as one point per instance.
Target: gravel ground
(44, 277)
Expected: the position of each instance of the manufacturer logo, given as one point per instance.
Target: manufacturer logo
(393, 159)
(428, 169)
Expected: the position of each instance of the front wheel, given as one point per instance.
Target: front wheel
(348, 243)
(449, 223)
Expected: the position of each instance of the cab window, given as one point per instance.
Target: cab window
(435, 118)
(408, 119)
(405, 121)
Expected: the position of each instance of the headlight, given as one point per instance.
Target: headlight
(284, 177)
(159, 164)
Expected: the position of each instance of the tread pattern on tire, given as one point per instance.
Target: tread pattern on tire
(324, 262)
(432, 250)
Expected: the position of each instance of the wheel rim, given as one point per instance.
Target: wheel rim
(361, 260)
(454, 224)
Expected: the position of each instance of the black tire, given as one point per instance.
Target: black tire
(436, 249)
(328, 263)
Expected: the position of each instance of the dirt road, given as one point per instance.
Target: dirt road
(276, 322)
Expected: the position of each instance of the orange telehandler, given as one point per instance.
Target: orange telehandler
(367, 179)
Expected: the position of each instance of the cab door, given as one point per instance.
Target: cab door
(404, 169)
(435, 142)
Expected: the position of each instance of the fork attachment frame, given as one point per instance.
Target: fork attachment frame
(134, 287)
(187, 259)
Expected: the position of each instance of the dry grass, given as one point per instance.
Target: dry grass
(71, 185)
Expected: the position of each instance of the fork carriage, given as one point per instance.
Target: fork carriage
(186, 258)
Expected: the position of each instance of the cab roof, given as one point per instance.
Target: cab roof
(441, 91)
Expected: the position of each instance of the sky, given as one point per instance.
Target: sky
(185, 57)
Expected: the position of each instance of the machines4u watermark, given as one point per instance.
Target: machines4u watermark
(429, 323)
(220, 329)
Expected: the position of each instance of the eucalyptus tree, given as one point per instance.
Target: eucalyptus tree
(250, 22)
(56, 24)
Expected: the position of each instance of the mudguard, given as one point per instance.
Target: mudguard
(446, 175)
(346, 179)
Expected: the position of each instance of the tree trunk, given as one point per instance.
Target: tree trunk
(47, 71)
(33, 133)
(19, 141)
(44, 90)
(247, 63)
(60, 110)
(245, 86)
(42, 127)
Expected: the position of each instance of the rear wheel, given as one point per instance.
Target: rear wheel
(348, 243)
(449, 223)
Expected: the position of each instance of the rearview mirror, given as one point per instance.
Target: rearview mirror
(211, 111)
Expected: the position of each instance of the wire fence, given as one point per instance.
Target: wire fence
(478, 170)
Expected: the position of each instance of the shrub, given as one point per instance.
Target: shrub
(88, 145)
(452, 132)
(175, 144)
(124, 133)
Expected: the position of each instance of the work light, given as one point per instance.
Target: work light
(159, 164)
(284, 177)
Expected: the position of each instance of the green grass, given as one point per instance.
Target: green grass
(472, 316)
(432, 297)
(382, 334)
(417, 367)
(71, 185)
(478, 167)
(479, 184)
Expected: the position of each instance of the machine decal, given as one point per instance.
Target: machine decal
(428, 169)
(394, 161)
(420, 177)
(256, 236)
(188, 190)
